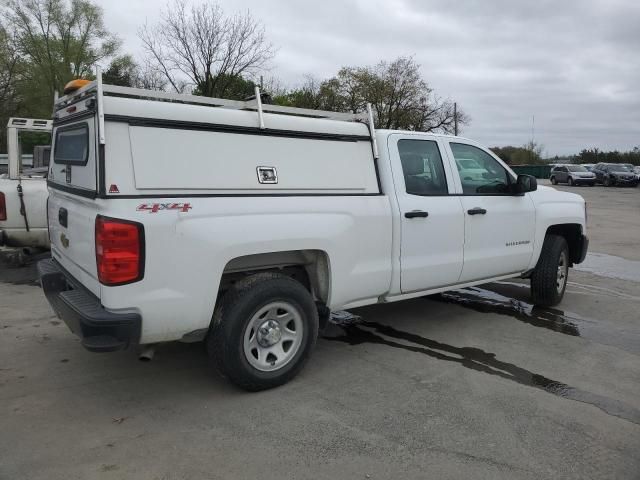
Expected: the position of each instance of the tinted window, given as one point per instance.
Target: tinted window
(489, 178)
(577, 168)
(422, 167)
(72, 145)
(618, 168)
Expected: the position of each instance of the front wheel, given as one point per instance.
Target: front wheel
(553, 181)
(549, 278)
(607, 182)
(264, 331)
(570, 182)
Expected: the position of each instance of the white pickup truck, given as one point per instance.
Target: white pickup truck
(176, 217)
(23, 192)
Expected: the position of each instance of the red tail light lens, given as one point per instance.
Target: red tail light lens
(3, 207)
(119, 251)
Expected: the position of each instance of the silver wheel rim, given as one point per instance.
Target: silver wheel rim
(563, 268)
(273, 336)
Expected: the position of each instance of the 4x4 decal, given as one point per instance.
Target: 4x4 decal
(156, 207)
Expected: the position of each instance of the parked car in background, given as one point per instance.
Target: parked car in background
(589, 166)
(610, 174)
(573, 175)
(633, 169)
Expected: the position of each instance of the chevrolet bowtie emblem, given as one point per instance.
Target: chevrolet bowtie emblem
(64, 240)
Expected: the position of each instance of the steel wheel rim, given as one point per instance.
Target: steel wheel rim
(273, 336)
(561, 275)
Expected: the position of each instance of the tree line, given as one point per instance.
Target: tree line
(531, 154)
(196, 49)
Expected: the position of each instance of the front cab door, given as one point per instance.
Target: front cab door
(432, 221)
(499, 226)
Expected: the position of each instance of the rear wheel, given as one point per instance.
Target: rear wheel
(549, 278)
(263, 331)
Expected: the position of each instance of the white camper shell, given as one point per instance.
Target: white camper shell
(176, 217)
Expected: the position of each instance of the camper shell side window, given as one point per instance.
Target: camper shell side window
(72, 145)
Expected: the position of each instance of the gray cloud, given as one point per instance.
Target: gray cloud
(572, 64)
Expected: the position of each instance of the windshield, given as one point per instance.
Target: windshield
(577, 168)
(618, 168)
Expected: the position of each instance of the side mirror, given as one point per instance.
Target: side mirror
(524, 184)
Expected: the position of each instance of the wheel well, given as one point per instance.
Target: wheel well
(309, 267)
(572, 233)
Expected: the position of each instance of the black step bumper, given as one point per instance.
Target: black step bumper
(100, 330)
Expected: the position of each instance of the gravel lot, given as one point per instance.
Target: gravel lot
(472, 384)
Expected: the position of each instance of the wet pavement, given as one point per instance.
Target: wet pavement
(474, 383)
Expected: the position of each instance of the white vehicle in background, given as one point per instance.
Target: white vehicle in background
(179, 217)
(469, 169)
(23, 191)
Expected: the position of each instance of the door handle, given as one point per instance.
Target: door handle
(477, 211)
(416, 214)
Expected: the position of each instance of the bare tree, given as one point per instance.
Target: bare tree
(200, 48)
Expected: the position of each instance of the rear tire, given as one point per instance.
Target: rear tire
(263, 331)
(549, 278)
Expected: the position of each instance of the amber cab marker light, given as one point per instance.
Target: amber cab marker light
(76, 84)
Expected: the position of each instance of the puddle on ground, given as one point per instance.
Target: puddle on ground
(26, 274)
(568, 323)
(610, 266)
(353, 330)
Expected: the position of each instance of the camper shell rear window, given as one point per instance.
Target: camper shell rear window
(72, 145)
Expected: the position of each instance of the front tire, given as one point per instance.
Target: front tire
(553, 181)
(570, 181)
(549, 278)
(263, 331)
(607, 182)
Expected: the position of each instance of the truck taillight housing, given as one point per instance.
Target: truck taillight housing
(119, 251)
(3, 207)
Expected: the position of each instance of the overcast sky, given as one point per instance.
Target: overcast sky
(574, 65)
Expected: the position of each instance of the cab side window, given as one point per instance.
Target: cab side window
(422, 167)
(480, 173)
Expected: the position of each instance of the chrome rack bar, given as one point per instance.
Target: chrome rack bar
(259, 105)
(372, 131)
(99, 97)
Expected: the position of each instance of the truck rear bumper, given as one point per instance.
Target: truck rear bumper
(99, 329)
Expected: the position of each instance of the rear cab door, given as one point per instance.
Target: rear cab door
(499, 226)
(431, 217)
(72, 181)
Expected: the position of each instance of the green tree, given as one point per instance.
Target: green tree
(122, 71)
(400, 97)
(528, 154)
(9, 71)
(58, 41)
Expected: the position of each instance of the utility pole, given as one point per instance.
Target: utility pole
(455, 118)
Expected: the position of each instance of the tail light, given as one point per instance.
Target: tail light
(3, 207)
(119, 251)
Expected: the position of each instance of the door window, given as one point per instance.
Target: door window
(480, 173)
(422, 167)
